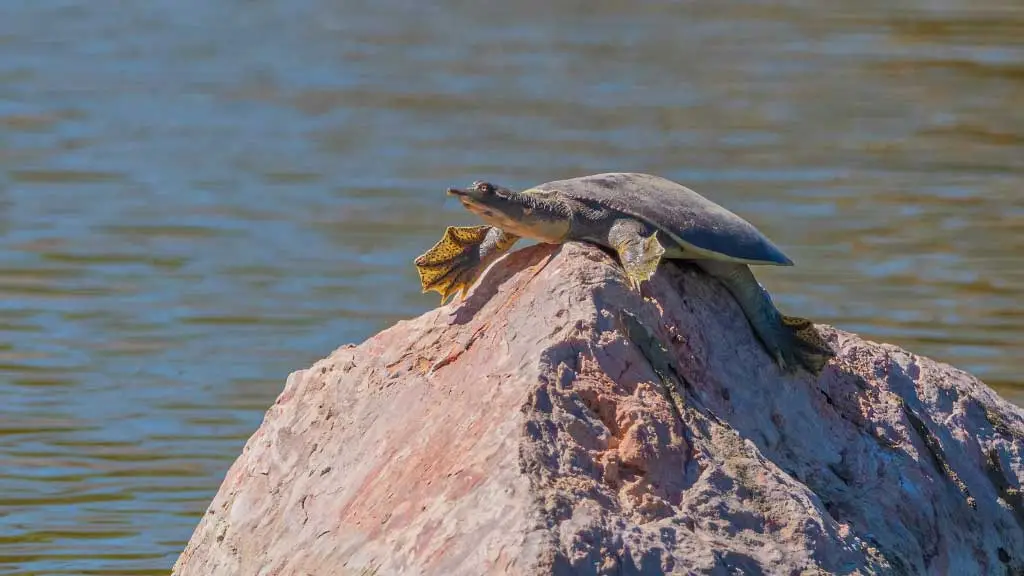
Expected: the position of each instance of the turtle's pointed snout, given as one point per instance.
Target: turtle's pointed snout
(456, 192)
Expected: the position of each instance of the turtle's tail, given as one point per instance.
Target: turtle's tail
(808, 347)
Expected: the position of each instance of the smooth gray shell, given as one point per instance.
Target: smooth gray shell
(675, 209)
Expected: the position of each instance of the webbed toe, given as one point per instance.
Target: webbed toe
(453, 264)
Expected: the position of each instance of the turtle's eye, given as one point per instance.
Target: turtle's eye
(485, 188)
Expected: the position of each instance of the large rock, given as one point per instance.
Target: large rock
(543, 442)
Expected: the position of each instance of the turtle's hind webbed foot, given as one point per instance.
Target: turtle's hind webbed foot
(806, 346)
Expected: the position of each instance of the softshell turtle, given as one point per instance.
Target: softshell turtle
(643, 218)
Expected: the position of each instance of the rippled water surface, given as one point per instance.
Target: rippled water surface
(199, 197)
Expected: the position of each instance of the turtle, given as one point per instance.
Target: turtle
(644, 219)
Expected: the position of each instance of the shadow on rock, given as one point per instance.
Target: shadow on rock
(494, 278)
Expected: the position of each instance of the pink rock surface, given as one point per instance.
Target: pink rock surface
(544, 442)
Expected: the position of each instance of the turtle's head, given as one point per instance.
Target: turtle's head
(532, 215)
(492, 202)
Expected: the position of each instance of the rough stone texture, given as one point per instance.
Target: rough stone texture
(548, 445)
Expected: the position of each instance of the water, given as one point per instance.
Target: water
(197, 198)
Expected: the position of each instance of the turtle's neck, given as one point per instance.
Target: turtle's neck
(555, 209)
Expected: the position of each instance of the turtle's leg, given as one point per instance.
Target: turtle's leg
(793, 342)
(454, 263)
(638, 249)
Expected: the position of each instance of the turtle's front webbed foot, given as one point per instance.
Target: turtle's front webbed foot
(639, 252)
(453, 264)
